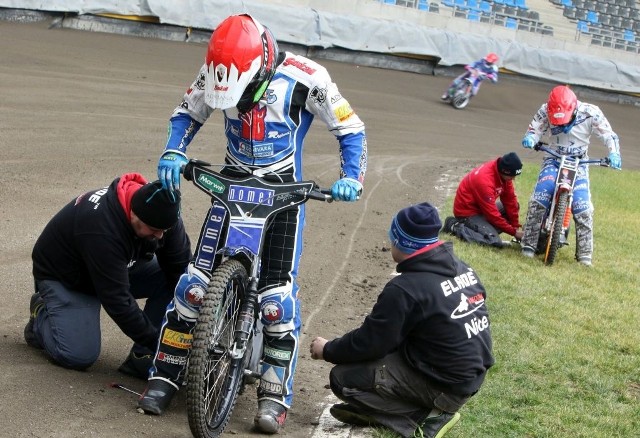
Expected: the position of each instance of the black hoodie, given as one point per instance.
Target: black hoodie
(89, 246)
(434, 313)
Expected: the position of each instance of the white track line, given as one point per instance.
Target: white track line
(342, 267)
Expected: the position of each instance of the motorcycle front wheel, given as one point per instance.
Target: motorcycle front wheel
(553, 243)
(214, 378)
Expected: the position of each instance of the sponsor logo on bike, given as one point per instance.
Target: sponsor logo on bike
(211, 183)
(250, 195)
(177, 339)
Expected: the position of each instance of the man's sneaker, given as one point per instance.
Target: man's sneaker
(35, 306)
(270, 417)
(137, 365)
(449, 223)
(157, 396)
(437, 426)
(350, 414)
(586, 261)
(527, 251)
(445, 97)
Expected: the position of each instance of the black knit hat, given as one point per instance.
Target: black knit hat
(155, 206)
(510, 164)
(415, 227)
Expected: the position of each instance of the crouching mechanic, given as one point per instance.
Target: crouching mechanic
(424, 349)
(569, 124)
(269, 100)
(486, 203)
(108, 247)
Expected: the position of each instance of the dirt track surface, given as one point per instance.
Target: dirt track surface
(78, 109)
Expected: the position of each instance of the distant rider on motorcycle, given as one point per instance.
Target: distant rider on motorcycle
(482, 69)
(569, 124)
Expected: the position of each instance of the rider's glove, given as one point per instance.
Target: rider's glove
(615, 161)
(528, 141)
(169, 168)
(346, 189)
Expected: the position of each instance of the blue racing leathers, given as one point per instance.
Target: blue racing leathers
(266, 141)
(574, 140)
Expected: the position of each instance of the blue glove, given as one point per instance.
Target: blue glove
(528, 141)
(615, 161)
(169, 168)
(346, 189)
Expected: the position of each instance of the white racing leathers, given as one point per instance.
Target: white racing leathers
(267, 140)
(589, 120)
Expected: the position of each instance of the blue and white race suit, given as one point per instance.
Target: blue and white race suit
(265, 141)
(574, 141)
(480, 70)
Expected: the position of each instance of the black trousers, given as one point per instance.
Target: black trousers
(394, 393)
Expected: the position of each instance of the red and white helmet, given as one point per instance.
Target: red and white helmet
(241, 60)
(561, 106)
(491, 58)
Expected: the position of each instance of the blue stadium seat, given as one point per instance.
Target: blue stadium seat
(485, 7)
(567, 3)
(592, 17)
(522, 4)
(473, 5)
(473, 15)
(629, 35)
(583, 27)
(389, 2)
(511, 23)
(448, 3)
(423, 5)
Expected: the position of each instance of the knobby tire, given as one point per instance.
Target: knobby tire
(214, 378)
(556, 229)
(461, 95)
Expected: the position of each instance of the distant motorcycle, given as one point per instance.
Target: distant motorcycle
(462, 92)
(555, 226)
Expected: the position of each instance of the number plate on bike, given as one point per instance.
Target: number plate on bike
(250, 195)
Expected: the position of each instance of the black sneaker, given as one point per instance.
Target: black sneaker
(35, 306)
(449, 223)
(437, 426)
(137, 365)
(350, 414)
(157, 396)
(270, 417)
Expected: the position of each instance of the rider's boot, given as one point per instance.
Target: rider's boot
(270, 417)
(531, 229)
(157, 396)
(584, 236)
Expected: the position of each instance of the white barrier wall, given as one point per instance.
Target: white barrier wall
(370, 26)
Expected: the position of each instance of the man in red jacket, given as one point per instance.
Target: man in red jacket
(486, 203)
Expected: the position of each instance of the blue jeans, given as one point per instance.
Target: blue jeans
(68, 328)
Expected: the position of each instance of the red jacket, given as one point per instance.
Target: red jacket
(477, 195)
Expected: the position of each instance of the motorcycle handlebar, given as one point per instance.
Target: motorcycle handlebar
(542, 146)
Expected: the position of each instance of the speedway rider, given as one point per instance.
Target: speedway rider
(569, 124)
(482, 69)
(268, 99)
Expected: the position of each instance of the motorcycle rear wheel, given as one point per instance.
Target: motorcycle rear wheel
(553, 243)
(214, 377)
